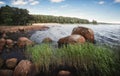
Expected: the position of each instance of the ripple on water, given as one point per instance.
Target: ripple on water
(104, 34)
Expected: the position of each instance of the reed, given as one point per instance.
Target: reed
(87, 59)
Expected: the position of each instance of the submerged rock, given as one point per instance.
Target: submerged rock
(15, 52)
(47, 40)
(87, 33)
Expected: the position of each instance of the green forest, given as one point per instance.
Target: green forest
(13, 16)
(57, 19)
(17, 16)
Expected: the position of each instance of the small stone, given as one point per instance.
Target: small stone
(47, 40)
(64, 73)
(2, 42)
(9, 43)
(11, 63)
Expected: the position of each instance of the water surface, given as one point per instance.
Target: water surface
(104, 34)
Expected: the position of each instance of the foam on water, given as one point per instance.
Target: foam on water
(104, 34)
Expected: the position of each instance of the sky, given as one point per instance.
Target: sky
(100, 10)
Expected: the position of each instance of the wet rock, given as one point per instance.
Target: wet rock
(21, 29)
(9, 43)
(47, 40)
(71, 40)
(23, 41)
(24, 68)
(3, 34)
(2, 42)
(64, 73)
(6, 73)
(87, 33)
(11, 63)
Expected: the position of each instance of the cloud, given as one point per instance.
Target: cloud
(31, 0)
(101, 2)
(1, 2)
(64, 6)
(34, 2)
(24, 2)
(57, 1)
(117, 1)
(19, 2)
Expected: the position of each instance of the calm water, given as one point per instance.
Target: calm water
(104, 34)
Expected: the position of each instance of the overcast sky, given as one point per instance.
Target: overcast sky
(100, 10)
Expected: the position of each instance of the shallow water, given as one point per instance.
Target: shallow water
(104, 34)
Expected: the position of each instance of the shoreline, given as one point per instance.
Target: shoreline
(34, 26)
(24, 28)
(45, 24)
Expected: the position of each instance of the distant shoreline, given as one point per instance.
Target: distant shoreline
(45, 24)
(48, 24)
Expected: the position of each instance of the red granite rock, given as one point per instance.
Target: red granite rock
(24, 68)
(87, 33)
(11, 63)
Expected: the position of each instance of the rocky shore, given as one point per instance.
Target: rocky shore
(13, 42)
(18, 28)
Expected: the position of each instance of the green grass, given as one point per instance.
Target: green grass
(87, 59)
(41, 55)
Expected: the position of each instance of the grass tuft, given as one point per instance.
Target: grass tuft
(87, 59)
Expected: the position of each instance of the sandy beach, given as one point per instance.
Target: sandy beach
(45, 24)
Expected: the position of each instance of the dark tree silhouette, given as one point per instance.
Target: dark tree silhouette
(13, 16)
(16, 16)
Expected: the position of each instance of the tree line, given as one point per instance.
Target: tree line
(17, 16)
(13, 16)
(57, 19)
